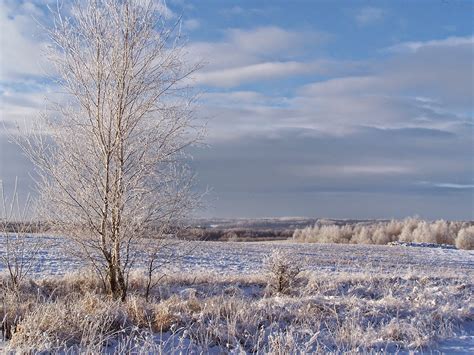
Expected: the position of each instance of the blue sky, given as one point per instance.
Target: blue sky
(345, 109)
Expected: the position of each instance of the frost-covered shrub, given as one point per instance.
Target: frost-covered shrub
(465, 239)
(441, 233)
(422, 234)
(409, 225)
(283, 270)
(394, 228)
(331, 234)
(362, 236)
(308, 234)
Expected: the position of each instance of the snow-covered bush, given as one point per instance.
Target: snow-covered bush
(362, 236)
(409, 225)
(465, 239)
(283, 270)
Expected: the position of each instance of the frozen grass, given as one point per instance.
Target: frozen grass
(201, 312)
(414, 230)
(221, 297)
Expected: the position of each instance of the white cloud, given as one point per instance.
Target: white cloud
(354, 170)
(191, 24)
(455, 186)
(369, 15)
(270, 40)
(243, 74)
(416, 91)
(164, 10)
(242, 11)
(20, 107)
(344, 85)
(429, 88)
(237, 98)
(256, 72)
(252, 55)
(258, 44)
(21, 46)
(447, 42)
(234, 10)
(446, 185)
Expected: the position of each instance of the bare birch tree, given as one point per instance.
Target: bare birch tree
(112, 164)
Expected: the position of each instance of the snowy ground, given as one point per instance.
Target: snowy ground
(238, 258)
(227, 258)
(462, 344)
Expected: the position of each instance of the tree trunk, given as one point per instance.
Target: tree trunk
(117, 282)
(112, 274)
(122, 285)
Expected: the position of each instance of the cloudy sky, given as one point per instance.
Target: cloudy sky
(348, 109)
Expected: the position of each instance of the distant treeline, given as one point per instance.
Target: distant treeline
(235, 234)
(23, 227)
(193, 233)
(410, 230)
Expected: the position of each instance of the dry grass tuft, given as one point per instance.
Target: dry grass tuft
(83, 321)
(166, 314)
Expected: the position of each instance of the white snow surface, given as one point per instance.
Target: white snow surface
(247, 257)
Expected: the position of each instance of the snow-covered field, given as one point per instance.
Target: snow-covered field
(388, 297)
(247, 257)
(237, 258)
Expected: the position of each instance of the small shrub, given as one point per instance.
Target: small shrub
(380, 237)
(283, 270)
(231, 237)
